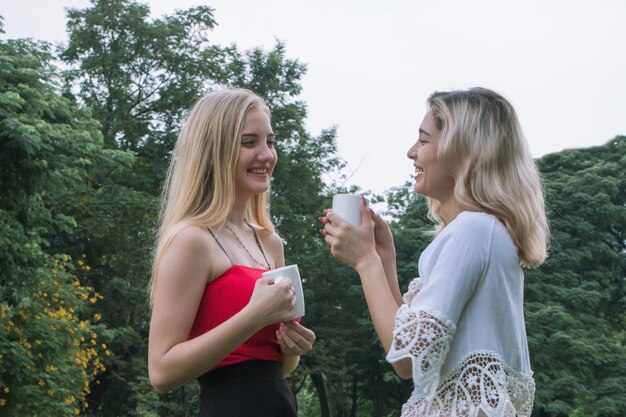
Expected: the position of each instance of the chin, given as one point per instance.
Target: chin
(260, 190)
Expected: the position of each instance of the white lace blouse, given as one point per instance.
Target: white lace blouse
(463, 325)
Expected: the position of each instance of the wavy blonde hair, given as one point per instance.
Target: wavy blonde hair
(200, 186)
(483, 145)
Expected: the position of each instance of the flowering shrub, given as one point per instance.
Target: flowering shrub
(49, 345)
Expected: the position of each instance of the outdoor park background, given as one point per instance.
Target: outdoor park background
(85, 136)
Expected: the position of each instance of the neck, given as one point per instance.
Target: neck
(237, 215)
(449, 210)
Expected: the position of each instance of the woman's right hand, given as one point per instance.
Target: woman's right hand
(272, 303)
(354, 245)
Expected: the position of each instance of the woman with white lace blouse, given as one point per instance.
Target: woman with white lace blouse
(459, 329)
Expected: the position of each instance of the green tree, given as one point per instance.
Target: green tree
(50, 341)
(139, 76)
(576, 302)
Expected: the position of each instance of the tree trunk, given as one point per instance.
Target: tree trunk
(318, 382)
(379, 401)
(354, 395)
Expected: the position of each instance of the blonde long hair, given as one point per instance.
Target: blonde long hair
(483, 144)
(200, 186)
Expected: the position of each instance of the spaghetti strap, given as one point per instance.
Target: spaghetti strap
(221, 247)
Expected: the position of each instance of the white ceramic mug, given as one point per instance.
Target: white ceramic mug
(348, 207)
(291, 272)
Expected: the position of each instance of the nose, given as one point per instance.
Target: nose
(412, 152)
(266, 153)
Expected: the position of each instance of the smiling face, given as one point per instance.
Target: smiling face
(432, 179)
(257, 156)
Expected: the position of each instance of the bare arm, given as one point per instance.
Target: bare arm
(387, 252)
(357, 247)
(181, 277)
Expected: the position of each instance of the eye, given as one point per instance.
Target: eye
(271, 142)
(247, 143)
(422, 141)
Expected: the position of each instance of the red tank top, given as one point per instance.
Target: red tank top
(225, 296)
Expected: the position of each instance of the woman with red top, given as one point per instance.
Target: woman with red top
(214, 318)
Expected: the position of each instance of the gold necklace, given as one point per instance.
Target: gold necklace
(267, 264)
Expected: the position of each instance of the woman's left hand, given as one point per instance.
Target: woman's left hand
(294, 338)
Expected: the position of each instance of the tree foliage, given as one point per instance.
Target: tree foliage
(576, 302)
(139, 75)
(49, 341)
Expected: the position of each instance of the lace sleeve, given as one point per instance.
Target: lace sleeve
(423, 336)
(414, 287)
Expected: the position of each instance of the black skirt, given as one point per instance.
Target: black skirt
(247, 389)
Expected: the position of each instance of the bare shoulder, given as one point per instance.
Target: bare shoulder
(192, 238)
(189, 249)
(275, 242)
(271, 240)
(268, 237)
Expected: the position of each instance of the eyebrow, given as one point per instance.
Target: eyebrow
(254, 135)
(425, 132)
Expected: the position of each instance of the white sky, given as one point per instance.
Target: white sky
(372, 64)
